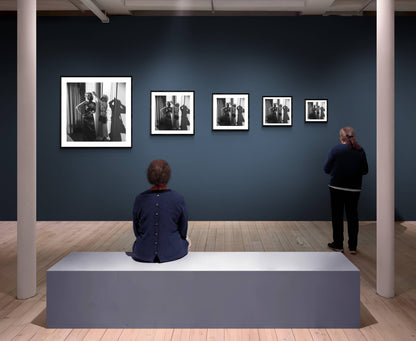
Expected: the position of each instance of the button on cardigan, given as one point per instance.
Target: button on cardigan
(160, 224)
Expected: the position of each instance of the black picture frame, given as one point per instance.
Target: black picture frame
(277, 111)
(96, 112)
(168, 110)
(230, 111)
(316, 110)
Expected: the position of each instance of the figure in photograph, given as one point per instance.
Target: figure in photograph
(346, 164)
(117, 125)
(322, 111)
(102, 129)
(184, 117)
(233, 115)
(240, 117)
(160, 220)
(175, 122)
(225, 118)
(165, 122)
(233, 119)
(286, 117)
(312, 115)
(272, 116)
(87, 110)
(279, 113)
(316, 111)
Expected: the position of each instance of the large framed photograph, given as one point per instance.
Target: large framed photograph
(277, 111)
(172, 113)
(230, 112)
(96, 112)
(316, 110)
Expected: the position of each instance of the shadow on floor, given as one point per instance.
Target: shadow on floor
(366, 319)
(40, 320)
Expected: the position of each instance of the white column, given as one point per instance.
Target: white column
(385, 148)
(26, 148)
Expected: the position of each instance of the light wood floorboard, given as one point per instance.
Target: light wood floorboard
(381, 319)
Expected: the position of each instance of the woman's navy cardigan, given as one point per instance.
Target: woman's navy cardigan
(160, 224)
(346, 166)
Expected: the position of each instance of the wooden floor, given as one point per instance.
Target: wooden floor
(381, 319)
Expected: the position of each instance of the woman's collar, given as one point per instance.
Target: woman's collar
(159, 187)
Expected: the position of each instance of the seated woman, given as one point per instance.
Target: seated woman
(160, 220)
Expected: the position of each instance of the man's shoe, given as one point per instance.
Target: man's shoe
(335, 248)
(353, 252)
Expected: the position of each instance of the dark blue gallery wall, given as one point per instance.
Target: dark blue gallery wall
(8, 119)
(405, 119)
(262, 174)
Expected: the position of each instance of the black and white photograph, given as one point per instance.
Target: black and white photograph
(277, 111)
(96, 112)
(316, 110)
(230, 112)
(172, 113)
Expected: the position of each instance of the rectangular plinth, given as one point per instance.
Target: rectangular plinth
(204, 290)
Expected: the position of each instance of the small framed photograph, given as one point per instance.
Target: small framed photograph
(172, 113)
(316, 110)
(96, 112)
(230, 112)
(277, 111)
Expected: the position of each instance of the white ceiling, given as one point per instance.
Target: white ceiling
(299, 7)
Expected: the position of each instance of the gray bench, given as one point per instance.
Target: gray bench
(204, 290)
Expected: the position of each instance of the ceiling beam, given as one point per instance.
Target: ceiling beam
(182, 13)
(77, 5)
(317, 7)
(364, 7)
(92, 6)
(216, 6)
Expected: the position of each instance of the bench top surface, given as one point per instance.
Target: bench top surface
(209, 261)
